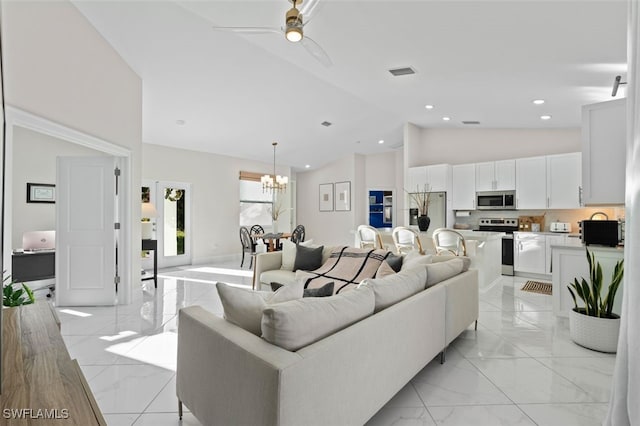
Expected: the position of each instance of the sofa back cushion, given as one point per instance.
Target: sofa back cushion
(243, 307)
(414, 258)
(393, 288)
(440, 271)
(466, 261)
(298, 323)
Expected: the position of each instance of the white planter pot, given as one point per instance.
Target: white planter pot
(599, 334)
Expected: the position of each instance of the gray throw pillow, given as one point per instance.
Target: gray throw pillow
(308, 258)
(324, 291)
(394, 261)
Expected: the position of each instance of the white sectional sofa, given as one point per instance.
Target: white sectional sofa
(229, 376)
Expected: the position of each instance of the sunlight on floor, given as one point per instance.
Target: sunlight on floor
(75, 313)
(224, 271)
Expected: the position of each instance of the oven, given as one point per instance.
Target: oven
(508, 226)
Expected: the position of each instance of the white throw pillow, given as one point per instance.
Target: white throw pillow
(440, 271)
(289, 253)
(391, 289)
(243, 307)
(414, 258)
(298, 323)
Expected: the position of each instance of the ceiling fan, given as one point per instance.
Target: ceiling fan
(293, 29)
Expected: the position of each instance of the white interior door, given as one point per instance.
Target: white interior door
(86, 211)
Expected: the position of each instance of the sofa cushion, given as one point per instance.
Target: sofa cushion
(395, 261)
(440, 271)
(298, 323)
(243, 307)
(393, 288)
(289, 251)
(414, 258)
(308, 258)
(466, 261)
(324, 291)
(278, 275)
(384, 270)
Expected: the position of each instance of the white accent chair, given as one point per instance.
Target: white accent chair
(448, 241)
(369, 237)
(406, 240)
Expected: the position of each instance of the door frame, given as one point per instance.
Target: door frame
(21, 118)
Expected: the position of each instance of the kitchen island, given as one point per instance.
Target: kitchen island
(484, 248)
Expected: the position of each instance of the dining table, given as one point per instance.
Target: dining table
(271, 239)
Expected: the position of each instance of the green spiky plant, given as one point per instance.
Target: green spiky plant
(594, 304)
(12, 297)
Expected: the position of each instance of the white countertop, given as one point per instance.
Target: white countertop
(618, 249)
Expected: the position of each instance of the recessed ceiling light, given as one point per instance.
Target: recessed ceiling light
(446, 118)
(428, 106)
(545, 117)
(326, 123)
(307, 166)
(380, 141)
(538, 101)
(181, 122)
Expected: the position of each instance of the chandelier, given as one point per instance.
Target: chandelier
(274, 183)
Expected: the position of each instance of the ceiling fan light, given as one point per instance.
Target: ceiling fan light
(294, 34)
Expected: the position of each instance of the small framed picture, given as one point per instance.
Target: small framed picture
(343, 196)
(326, 197)
(41, 193)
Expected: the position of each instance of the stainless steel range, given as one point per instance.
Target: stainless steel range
(508, 226)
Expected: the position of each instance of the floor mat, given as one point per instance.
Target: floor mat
(537, 287)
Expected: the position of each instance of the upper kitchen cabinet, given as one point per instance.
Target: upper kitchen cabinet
(531, 183)
(564, 177)
(496, 175)
(435, 178)
(604, 152)
(464, 187)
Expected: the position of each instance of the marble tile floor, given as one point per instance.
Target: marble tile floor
(518, 368)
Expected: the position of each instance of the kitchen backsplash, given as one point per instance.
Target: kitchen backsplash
(572, 216)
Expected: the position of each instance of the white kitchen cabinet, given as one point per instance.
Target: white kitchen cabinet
(531, 183)
(564, 177)
(604, 152)
(496, 175)
(464, 187)
(570, 262)
(434, 178)
(529, 253)
(552, 240)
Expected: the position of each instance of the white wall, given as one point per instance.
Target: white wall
(57, 66)
(34, 161)
(331, 228)
(215, 196)
(460, 146)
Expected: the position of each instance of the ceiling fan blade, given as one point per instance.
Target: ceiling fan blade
(308, 9)
(316, 51)
(250, 30)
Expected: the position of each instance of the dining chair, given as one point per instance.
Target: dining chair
(248, 246)
(369, 237)
(447, 240)
(406, 240)
(256, 230)
(297, 236)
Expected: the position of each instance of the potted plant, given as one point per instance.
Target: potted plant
(421, 199)
(12, 297)
(594, 325)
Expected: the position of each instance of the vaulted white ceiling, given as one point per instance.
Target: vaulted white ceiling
(475, 61)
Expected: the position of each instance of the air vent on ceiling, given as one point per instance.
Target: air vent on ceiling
(402, 71)
(470, 122)
(326, 123)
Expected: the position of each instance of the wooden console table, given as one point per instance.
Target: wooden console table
(41, 384)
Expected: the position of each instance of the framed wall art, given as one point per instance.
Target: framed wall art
(326, 197)
(343, 196)
(41, 193)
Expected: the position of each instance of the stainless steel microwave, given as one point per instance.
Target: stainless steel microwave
(496, 200)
